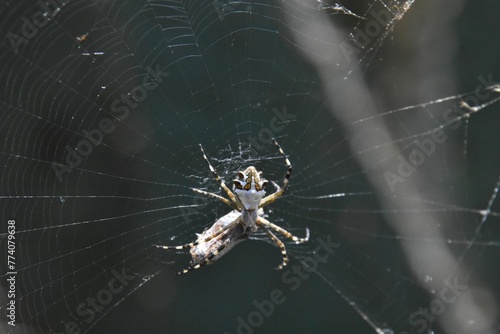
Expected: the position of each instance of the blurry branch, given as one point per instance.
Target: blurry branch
(350, 100)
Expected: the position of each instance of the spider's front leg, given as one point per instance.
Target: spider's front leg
(271, 198)
(235, 203)
(220, 198)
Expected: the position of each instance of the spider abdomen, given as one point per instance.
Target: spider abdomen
(220, 245)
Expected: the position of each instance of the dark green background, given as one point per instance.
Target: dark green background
(225, 77)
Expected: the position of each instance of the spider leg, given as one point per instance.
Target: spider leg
(217, 177)
(208, 260)
(281, 230)
(197, 242)
(271, 198)
(280, 244)
(220, 198)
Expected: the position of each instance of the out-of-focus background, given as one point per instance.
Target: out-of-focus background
(388, 111)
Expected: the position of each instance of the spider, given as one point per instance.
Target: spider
(246, 218)
(82, 38)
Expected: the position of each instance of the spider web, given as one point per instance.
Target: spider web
(388, 117)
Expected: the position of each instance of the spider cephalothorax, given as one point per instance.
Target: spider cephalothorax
(246, 218)
(249, 188)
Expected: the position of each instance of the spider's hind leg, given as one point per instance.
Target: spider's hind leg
(280, 244)
(264, 222)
